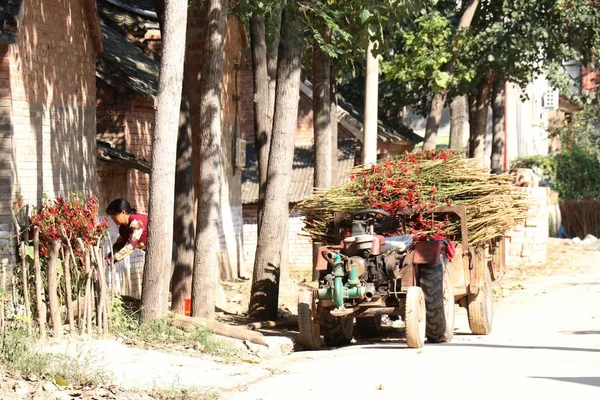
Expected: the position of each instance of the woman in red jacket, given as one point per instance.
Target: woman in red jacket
(133, 228)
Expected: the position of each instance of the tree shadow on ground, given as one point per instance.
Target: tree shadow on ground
(583, 380)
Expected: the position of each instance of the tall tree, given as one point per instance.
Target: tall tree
(264, 21)
(321, 81)
(183, 210)
(322, 125)
(498, 131)
(155, 285)
(439, 98)
(265, 280)
(262, 122)
(459, 116)
(205, 276)
(479, 103)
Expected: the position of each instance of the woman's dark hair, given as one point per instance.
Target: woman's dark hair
(119, 205)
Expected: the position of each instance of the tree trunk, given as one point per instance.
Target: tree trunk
(321, 80)
(155, 285)
(369, 145)
(439, 99)
(499, 134)
(265, 279)
(335, 172)
(262, 122)
(479, 103)
(264, 65)
(206, 274)
(433, 120)
(459, 116)
(183, 211)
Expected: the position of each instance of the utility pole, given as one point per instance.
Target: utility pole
(369, 151)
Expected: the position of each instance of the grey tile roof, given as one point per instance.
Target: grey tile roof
(302, 170)
(111, 11)
(351, 119)
(123, 64)
(109, 154)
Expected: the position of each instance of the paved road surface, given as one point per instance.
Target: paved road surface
(545, 345)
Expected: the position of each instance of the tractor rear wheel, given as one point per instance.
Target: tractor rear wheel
(367, 327)
(337, 331)
(308, 326)
(415, 317)
(438, 289)
(480, 308)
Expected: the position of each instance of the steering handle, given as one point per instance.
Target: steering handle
(372, 211)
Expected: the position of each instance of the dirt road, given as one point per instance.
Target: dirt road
(545, 345)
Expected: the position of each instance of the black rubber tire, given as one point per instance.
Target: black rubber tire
(415, 317)
(368, 327)
(308, 326)
(336, 331)
(480, 308)
(438, 289)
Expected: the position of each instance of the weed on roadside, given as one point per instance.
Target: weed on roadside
(186, 394)
(159, 333)
(19, 352)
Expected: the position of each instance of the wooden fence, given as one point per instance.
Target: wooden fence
(68, 291)
(581, 217)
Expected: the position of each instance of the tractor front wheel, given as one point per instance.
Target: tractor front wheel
(415, 317)
(308, 326)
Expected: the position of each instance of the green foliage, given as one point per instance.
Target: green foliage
(424, 51)
(573, 173)
(584, 130)
(578, 174)
(544, 165)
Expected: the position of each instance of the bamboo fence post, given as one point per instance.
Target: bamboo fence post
(100, 304)
(79, 313)
(39, 288)
(2, 292)
(69, 283)
(104, 292)
(53, 288)
(114, 290)
(87, 299)
(68, 294)
(25, 272)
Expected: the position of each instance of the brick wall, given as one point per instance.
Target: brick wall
(300, 246)
(48, 89)
(589, 79)
(527, 244)
(127, 120)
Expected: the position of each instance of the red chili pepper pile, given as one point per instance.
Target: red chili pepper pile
(420, 182)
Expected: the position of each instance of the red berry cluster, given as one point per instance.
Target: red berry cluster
(78, 216)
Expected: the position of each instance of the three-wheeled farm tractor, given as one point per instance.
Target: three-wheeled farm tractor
(368, 275)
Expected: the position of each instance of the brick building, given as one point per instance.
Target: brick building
(47, 102)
